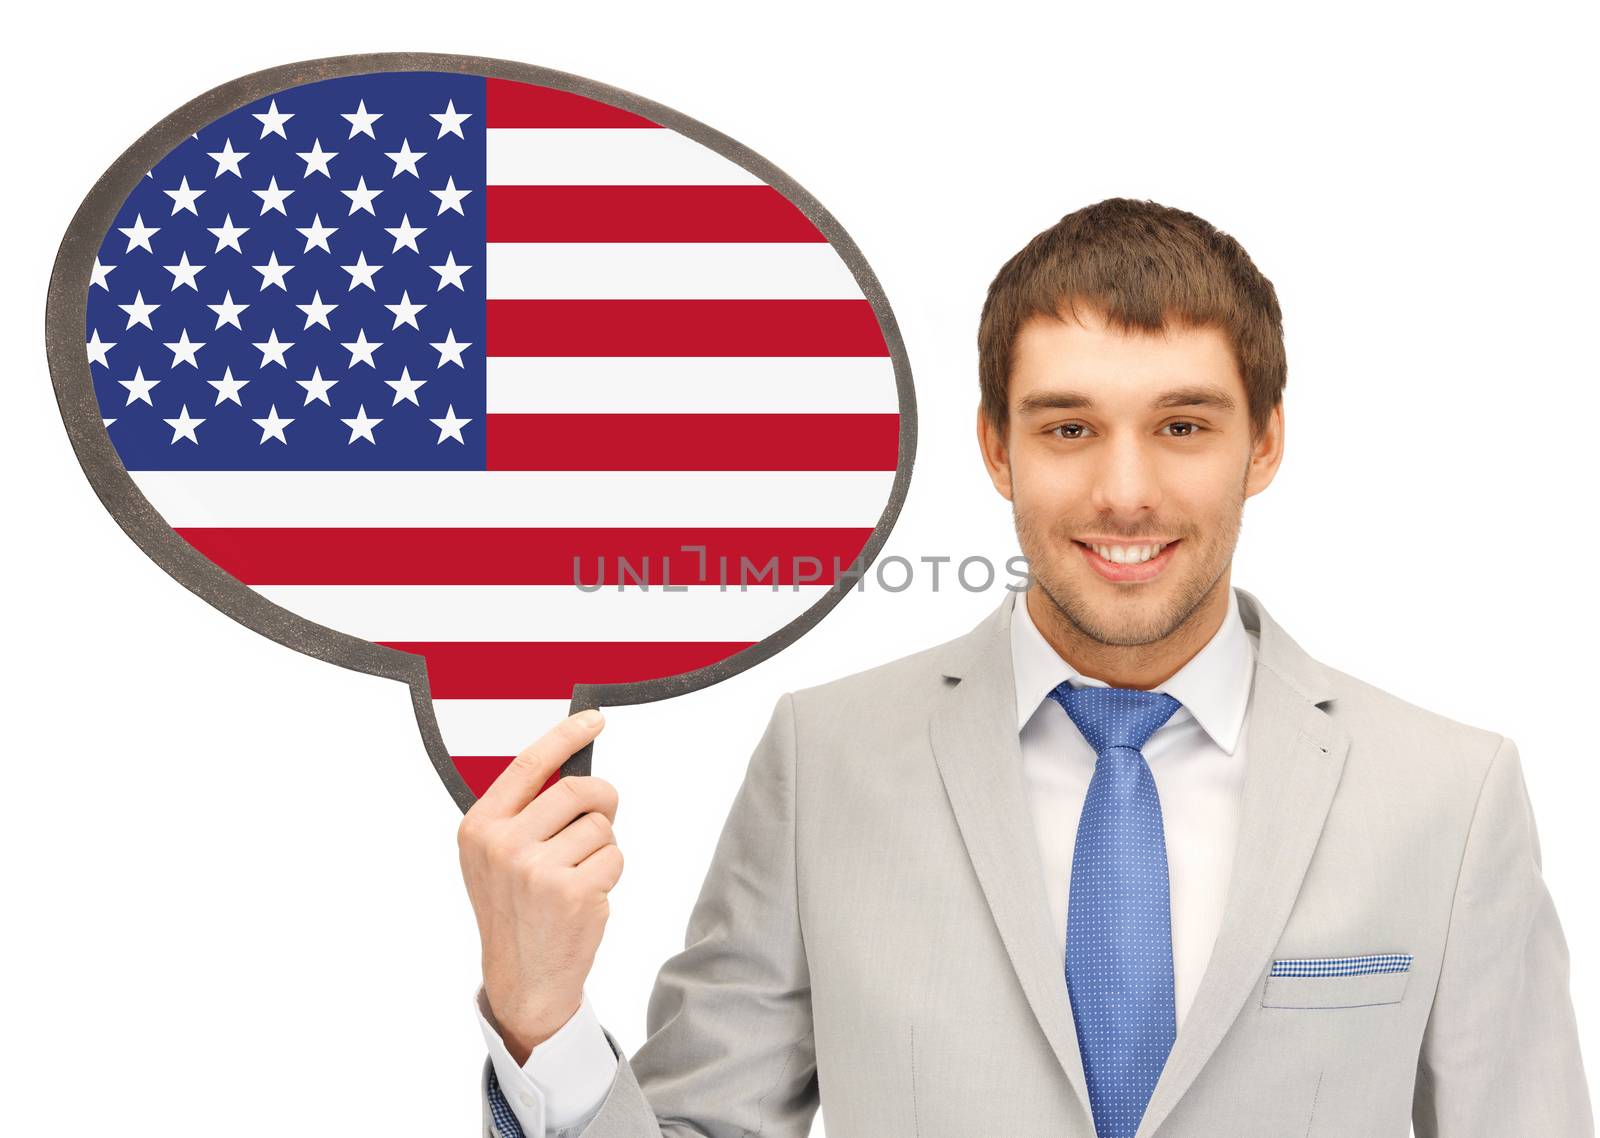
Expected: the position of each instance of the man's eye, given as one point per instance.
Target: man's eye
(1191, 429)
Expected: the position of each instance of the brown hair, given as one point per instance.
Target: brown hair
(1141, 264)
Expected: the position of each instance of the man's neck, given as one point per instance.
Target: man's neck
(1140, 666)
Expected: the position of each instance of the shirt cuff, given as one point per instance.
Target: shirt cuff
(566, 1077)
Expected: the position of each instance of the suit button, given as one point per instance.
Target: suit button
(527, 1099)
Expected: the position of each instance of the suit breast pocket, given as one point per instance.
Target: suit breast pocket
(1337, 981)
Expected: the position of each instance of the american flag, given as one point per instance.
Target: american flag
(412, 354)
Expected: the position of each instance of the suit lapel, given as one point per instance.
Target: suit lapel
(1295, 756)
(973, 731)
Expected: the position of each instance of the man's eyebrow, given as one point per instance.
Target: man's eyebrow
(1194, 395)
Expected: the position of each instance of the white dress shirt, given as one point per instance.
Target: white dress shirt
(1197, 758)
(561, 1086)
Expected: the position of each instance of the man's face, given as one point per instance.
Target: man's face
(1131, 440)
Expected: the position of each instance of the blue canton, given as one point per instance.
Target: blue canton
(300, 286)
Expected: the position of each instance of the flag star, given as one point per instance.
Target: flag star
(450, 272)
(100, 271)
(361, 426)
(405, 312)
(183, 273)
(317, 235)
(228, 312)
(183, 197)
(272, 197)
(272, 121)
(139, 234)
(450, 350)
(405, 158)
(183, 426)
(139, 387)
(272, 426)
(317, 312)
(228, 234)
(317, 159)
(184, 349)
(361, 197)
(228, 387)
(273, 273)
(450, 426)
(317, 387)
(272, 350)
(228, 158)
(139, 312)
(104, 422)
(405, 387)
(450, 197)
(98, 348)
(361, 121)
(406, 235)
(450, 121)
(361, 273)
(361, 350)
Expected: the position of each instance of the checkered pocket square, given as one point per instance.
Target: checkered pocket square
(1343, 965)
(1337, 981)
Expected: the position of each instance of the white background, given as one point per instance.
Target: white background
(231, 896)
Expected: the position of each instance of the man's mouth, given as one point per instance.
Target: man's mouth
(1123, 553)
(1127, 562)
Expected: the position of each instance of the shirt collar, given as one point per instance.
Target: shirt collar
(1214, 686)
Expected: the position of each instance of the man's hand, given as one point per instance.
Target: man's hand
(538, 867)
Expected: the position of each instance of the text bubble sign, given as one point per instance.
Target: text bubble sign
(511, 385)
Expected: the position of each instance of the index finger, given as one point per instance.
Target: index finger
(521, 781)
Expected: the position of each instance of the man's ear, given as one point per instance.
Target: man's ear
(1266, 453)
(996, 454)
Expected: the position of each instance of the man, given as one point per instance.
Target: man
(1124, 860)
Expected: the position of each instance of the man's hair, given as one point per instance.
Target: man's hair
(1142, 265)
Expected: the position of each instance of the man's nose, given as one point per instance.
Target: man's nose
(1126, 479)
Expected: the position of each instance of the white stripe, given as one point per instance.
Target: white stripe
(530, 498)
(668, 270)
(692, 384)
(552, 612)
(495, 726)
(604, 156)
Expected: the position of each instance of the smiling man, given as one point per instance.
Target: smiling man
(1127, 459)
(1123, 861)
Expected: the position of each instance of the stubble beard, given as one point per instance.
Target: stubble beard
(1202, 560)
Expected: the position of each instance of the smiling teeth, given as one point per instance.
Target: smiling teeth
(1127, 554)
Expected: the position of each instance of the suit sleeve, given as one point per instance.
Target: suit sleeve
(729, 1049)
(1500, 1052)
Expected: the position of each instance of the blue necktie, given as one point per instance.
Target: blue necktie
(1119, 913)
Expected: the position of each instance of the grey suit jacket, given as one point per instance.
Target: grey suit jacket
(873, 936)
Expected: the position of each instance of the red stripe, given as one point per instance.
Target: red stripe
(645, 213)
(684, 328)
(479, 771)
(467, 556)
(548, 669)
(620, 441)
(513, 104)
